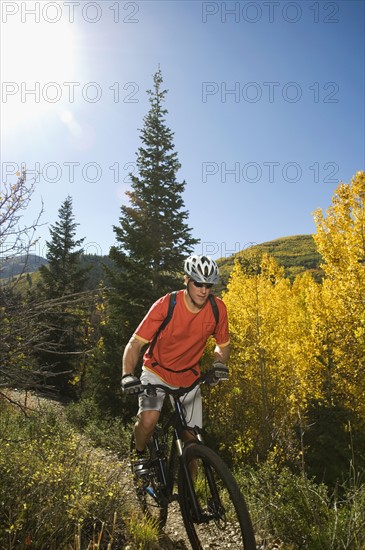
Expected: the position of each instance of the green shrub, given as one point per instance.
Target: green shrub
(144, 532)
(81, 412)
(55, 490)
(107, 432)
(301, 513)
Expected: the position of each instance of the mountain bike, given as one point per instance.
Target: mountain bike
(211, 503)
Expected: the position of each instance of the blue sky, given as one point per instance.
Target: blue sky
(266, 100)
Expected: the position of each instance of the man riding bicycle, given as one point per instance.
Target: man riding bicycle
(174, 356)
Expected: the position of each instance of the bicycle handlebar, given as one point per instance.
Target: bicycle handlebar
(218, 373)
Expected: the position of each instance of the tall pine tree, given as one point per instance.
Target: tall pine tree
(152, 240)
(63, 274)
(153, 237)
(64, 305)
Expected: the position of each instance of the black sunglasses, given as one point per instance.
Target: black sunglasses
(201, 285)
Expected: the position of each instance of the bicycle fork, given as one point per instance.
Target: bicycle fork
(193, 501)
(216, 508)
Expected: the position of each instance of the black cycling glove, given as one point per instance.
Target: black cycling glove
(130, 384)
(219, 371)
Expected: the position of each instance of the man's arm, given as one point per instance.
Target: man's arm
(131, 355)
(221, 354)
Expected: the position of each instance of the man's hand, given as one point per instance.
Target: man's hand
(130, 384)
(218, 372)
(221, 371)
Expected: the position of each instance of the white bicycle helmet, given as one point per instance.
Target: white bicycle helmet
(201, 269)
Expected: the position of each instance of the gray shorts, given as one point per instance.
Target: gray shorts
(192, 401)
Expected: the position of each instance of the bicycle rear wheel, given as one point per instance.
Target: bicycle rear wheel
(149, 488)
(224, 520)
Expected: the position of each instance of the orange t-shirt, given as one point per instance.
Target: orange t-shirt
(181, 344)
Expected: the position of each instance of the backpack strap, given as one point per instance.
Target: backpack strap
(215, 309)
(172, 304)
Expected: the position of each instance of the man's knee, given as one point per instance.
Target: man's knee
(147, 421)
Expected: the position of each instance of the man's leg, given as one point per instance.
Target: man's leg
(148, 412)
(194, 418)
(144, 427)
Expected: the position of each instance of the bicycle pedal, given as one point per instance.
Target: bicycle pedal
(141, 467)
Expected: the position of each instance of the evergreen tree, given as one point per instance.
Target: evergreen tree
(152, 240)
(63, 275)
(65, 307)
(153, 237)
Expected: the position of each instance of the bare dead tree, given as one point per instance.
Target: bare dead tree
(16, 368)
(17, 240)
(26, 324)
(28, 320)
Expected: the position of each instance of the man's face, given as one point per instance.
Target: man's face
(199, 292)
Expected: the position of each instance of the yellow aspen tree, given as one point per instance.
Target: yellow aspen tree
(340, 239)
(228, 405)
(258, 407)
(311, 347)
(312, 353)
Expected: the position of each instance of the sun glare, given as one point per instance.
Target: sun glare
(38, 59)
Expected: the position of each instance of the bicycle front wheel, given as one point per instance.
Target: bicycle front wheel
(220, 518)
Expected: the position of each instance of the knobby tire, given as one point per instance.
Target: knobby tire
(226, 520)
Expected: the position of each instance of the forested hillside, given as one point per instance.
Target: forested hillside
(297, 254)
(11, 269)
(17, 265)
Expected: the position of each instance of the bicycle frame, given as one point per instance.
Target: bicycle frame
(178, 422)
(209, 496)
